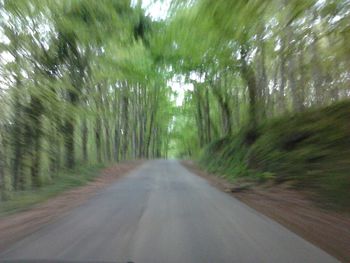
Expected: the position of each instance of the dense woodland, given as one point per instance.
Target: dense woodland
(255, 60)
(79, 85)
(90, 81)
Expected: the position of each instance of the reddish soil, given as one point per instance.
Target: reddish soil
(16, 226)
(327, 229)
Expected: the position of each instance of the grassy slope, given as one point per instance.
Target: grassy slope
(311, 149)
(62, 182)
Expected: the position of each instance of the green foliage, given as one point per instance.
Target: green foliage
(64, 181)
(81, 87)
(311, 149)
(261, 74)
(87, 82)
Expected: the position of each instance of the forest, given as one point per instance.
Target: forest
(265, 87)
(79, 85)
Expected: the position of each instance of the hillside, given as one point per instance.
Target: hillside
(309, 149)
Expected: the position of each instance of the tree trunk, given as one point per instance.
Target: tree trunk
(116, 143)
(154, 142)
(207, 116)
(55, 149)
(148, 140)
(108, 141)
(292, 80)
(98, 140)
(281, 98)
(36, 163)
(69, 143)
(249, 77)
(116, 127)
(2, 170)
(302, 83)
(17, 133)
(69, 132)
(125, 122)
(226, 123)
(17, 138)
(33, 134)
(317, 74)
(263, 91)
(199, 116)
(85, 133)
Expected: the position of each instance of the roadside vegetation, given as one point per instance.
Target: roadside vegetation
(265, 87)
(269, 92)
(309, 149)
(65, 180)
(79, 87)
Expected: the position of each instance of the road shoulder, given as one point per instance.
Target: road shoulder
(329, 230)
(16, 226)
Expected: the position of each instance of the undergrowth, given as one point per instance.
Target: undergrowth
(310, 149)
(61, 182)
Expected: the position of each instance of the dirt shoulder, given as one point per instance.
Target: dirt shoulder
(18, 225)
(327, 229)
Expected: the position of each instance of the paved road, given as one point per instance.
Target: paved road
(163, 213)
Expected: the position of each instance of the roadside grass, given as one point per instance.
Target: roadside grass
(61, 182)
(309, 149)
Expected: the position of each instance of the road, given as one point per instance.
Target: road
(163, 213)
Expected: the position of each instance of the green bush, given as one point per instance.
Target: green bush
(312, 149)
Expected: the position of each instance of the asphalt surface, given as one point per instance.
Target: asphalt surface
(163, 213)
